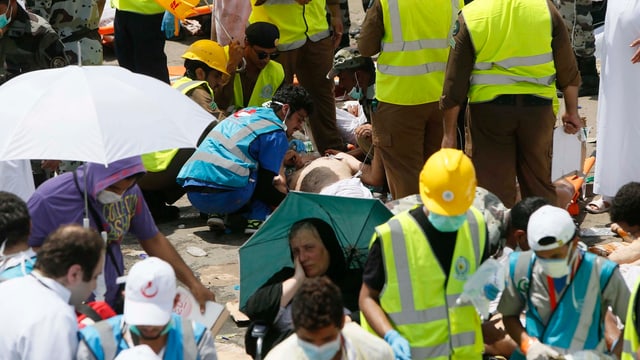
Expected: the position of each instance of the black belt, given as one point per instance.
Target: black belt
(521, 100)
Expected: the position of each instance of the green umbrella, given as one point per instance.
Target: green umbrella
(267, 251)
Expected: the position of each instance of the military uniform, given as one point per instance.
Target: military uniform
(75, 21)
(29, 43)
(579, 22)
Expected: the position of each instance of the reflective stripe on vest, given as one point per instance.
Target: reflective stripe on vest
(414, 57)
(630, 345)
(185, 84)
(568, 327)
(269, 80)
(446, 314)
(105, 331)
(223, 157)
(503, 64)
(296, 22)
(109, 347)
(147, 7)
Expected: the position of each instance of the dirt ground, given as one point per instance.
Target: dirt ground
(219, 268)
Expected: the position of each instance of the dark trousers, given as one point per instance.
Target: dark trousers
(139, 44)
(512, 141)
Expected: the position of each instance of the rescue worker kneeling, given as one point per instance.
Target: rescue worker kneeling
(150, 295)
(565, 290)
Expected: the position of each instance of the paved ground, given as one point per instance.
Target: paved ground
(219, 268)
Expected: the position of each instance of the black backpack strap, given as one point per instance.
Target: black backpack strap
(88, 311)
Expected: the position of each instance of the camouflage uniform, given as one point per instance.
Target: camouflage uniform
(75, 21)
(29, 43)
(579, 22)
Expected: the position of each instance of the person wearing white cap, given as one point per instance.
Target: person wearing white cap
(565, 290)
(150, 295)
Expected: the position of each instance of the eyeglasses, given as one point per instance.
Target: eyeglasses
(263, 55)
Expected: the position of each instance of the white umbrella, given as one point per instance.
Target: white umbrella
(94, 113)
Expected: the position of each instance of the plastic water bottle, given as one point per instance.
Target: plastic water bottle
(483, 286)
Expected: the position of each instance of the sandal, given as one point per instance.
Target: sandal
(598, 206)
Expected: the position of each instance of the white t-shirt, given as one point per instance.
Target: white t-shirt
(359, 345)
(37, 320)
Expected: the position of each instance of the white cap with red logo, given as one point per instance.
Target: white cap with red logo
(149, 293)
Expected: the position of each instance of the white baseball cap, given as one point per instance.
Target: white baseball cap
(149, 293)
(550, 227)
(139, 352)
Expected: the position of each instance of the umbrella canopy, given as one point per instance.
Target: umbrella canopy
(267, 251)
(94, 113)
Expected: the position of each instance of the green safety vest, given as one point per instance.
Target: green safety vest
(296, 22)
(160, 160)
(419, 300)
(147, 7)
(517, 58)
(414, 50)
(630, 346)
(269, 80)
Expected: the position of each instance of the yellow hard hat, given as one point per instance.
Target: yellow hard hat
(210, 53)
(448, 183)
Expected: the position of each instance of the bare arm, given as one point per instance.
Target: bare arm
(571, 118)
(450, 122)
(626, 254)
(291, 286)
(369, 302)
(160, 246)
(514, 328)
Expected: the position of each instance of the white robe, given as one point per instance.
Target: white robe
(618, 138)
(16, 177)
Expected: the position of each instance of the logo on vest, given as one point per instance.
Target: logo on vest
(523, 285)
(267, 91)
(462, 268)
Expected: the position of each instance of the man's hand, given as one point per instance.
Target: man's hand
(336, 24)
(571, 122)
(540, 351)
(399, 344)
(51, 165)
(364, 130)
(236, 52)
(636, 55)
(202, 295)
(280, 183)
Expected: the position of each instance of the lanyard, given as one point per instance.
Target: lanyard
(551, 285)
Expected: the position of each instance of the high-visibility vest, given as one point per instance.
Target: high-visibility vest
(223, 157)
(414, 50)
(419, 300)
(147, 7)
(105, 339)
(630, 345)
(512, 42)
(269, 80)
(160, 160)
(296, 22)
(576, 322)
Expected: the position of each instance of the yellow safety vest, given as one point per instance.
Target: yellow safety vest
(415, 299)
(630, 346)
(517, 58)
(147, 7)
(269, 80)
(414, 50)
(296, 22)
(160, 160)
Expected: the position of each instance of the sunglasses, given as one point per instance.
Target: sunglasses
(263, 55)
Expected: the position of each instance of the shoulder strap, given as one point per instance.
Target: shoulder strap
(106, 339)
(89, 312)
(189, 348)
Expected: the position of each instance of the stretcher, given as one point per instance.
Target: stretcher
(577, 181)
